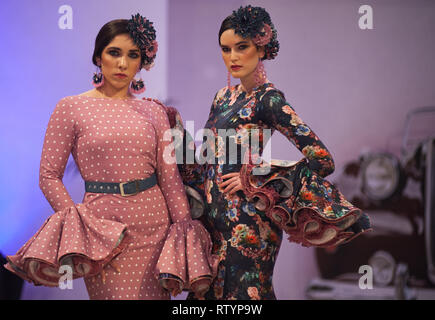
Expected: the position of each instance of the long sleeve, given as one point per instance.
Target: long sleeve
(278, 114)
(58, 143)
(169, 178)
(186, 255)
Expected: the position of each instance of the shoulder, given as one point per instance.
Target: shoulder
(270, 98)
(221, 92)
(155, 110)
(70, 101)
(66, 104)
(169, 112)
(154, 105)
(272, 93)
(64, 111)
(272, 104)
(66, 101)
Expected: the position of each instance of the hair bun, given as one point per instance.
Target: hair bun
(255, 22)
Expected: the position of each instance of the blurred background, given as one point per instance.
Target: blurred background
(367, 93)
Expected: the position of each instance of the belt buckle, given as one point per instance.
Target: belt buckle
(121, 189)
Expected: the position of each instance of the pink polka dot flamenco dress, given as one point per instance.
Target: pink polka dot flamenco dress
(148, 235)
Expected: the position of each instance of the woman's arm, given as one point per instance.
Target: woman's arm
(167, 172)
(58, 142)
(188, 244)
(278, 114)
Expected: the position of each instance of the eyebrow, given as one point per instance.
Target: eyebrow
(116, 48)
(238, 43)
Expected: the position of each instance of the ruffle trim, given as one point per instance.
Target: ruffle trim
(187, 254)
(72, 237)
(310, 209)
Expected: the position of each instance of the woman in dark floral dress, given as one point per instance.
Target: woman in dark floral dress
(247, 210)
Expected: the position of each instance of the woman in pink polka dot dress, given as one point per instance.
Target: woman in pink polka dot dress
(128, 240)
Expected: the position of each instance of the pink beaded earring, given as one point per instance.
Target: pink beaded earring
(97, 78)
(137, 86)
(260, 74)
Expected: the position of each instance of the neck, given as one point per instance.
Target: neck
(111, 92)
(248, 83)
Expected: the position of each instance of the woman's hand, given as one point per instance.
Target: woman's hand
(103, 273)
(200, 287)
(173, 286)
(233, 184)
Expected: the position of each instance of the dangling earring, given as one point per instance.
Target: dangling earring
(137, 86)
(229, 80)
(260, 74)
(98, 79)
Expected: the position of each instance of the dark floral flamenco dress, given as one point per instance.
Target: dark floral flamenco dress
(246, 227)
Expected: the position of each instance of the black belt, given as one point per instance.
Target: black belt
(124, 188)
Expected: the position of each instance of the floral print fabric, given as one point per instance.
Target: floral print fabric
(245, 234)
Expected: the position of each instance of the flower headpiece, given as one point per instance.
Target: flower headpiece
(144, 36)
(255, 22)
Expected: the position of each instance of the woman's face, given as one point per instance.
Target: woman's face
(120, 61)
(240, 55)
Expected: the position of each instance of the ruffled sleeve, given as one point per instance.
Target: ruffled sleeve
(72, 237)
(310, 209)
(186, 253)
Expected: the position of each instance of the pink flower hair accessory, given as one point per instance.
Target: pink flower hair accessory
(262, 40)
(144, 36)
(152, 50)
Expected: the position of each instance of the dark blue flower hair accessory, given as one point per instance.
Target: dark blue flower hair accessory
(255, 23)
(144, 36)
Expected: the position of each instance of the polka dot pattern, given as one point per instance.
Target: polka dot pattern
(114, 140)
(191, 243)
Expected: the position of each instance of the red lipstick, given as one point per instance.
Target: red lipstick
(121, 75)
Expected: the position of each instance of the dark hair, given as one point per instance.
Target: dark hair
(106, 34)
(226, 25)
(250, 22)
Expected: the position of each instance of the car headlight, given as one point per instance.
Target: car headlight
(382, 176)
(383, 265)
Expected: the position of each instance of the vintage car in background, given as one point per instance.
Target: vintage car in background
(398, 194)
